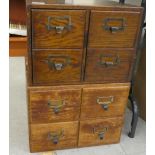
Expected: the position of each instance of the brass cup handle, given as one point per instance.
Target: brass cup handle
(56, 105)
(55, 136)
(100, 132)
(59, 29)
(105, 101)
(58, 66)
(108, 60)
(114, 29)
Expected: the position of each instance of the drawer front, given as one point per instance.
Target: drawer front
(47, 106)
(103, 101)
(105, 65)
(58, 28)
(56, 66)
(100, 131)
(46, 137)
(114, 28)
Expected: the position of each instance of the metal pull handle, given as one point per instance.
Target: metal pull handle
(59, 28)
(107, 60)
(114, 29)
(55, 136)
(105, 101)
(53, 63)
(100, 132)
(56, 105)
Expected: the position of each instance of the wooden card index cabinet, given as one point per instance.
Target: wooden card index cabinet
(79, 65)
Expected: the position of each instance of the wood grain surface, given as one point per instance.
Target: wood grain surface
(42, 73)
(88, 137)
(99, 37)
(90, 108)
(44, 38)
(97, 71)
(41, 112)
(39, 140)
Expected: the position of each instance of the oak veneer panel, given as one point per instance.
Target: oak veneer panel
(44, 38)
(126, 38)
(39, 136)
(87, 136)
(41, 112)
(44, 74)
(109, 65)
(91, 96)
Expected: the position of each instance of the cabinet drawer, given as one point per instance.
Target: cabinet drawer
(100, 131)
(114, 28)
(51, 105)
(105, 65)
(56, 66)
(103, 101)
(58, 28)
(46, 137)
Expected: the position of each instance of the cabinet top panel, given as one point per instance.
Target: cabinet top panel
(80, 4)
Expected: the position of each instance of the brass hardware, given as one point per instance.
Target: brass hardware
(59, 29)
(55, 136)
(56, 105)
(114, 29)
(100, 132)
(108, 60)
(58, 66)
(105, 101)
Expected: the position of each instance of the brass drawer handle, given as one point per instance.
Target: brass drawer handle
(55, 136)
(56, 105)
(105, 101)
(114, 29)
(58, 66)
(100, 132)
(59, 29)
(108, 60)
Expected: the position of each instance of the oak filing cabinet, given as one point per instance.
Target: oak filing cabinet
(80, 60)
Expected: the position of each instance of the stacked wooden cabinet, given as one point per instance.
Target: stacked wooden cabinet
(80, 60)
